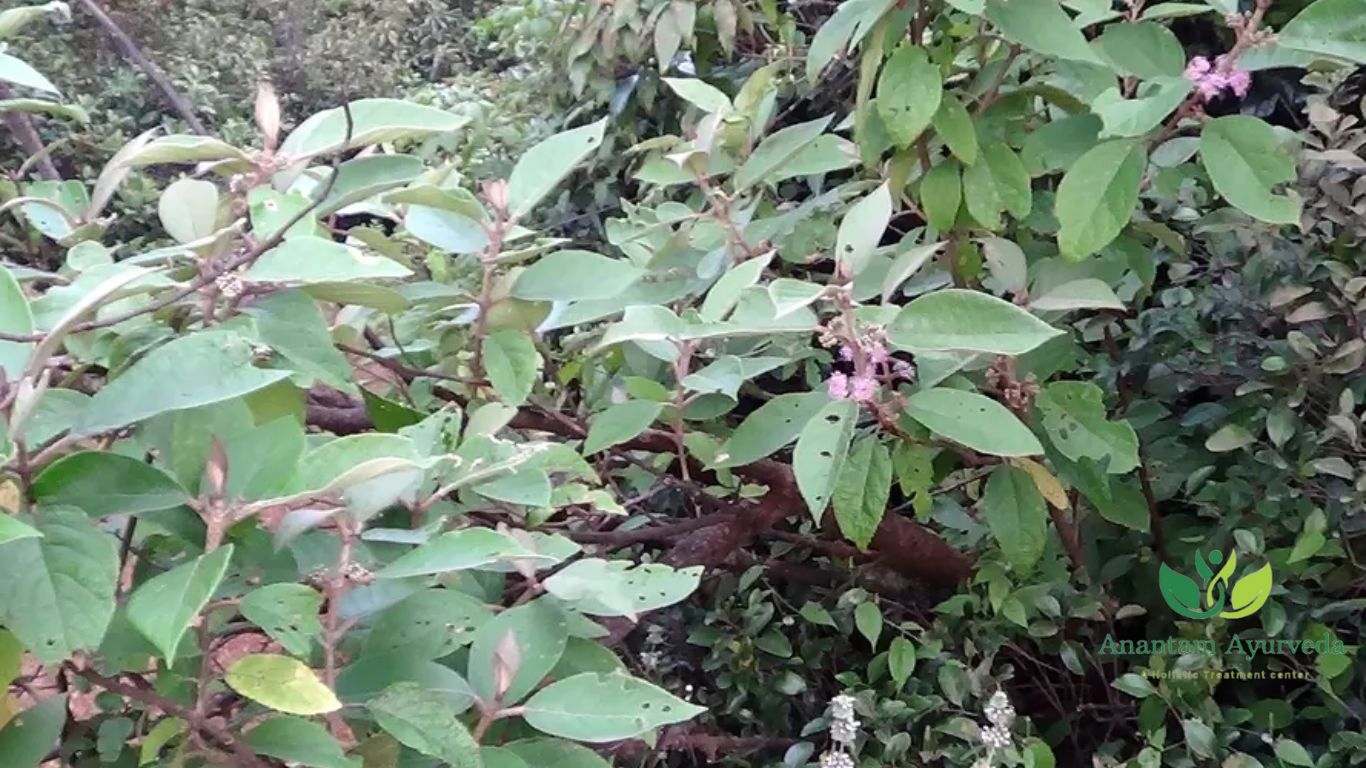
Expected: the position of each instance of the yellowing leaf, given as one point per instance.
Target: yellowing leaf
(281, 683)
(1049, 485)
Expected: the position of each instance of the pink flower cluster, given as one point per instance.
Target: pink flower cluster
(862, 387)
(1211, 79)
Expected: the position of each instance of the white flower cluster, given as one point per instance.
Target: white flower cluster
(1000, 714)
(843, 732)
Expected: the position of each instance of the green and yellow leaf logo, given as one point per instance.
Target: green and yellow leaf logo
(1243, 598)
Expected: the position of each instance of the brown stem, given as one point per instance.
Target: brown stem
(21, 125)
(136, 57)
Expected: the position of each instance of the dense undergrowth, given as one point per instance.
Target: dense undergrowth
(658, 382)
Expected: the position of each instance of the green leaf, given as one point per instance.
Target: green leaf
(1086, 293)
(361, 682)
(543, 166)
(15, 318)
(849, 24)
(12, 529)
(820, 452)
(1290, 752)
(954, 125)
(619, 423)
(362, 178)
(868, 621)
(158, 737)
(102, 484)
(906, 265)
(199, 369)
(458, 551)
(953, 320)
(291, 324)
(1329, 28)
(1057, 144)
(18, 71)
(513, 365)
(163, 607)
(941, 194)
(288, 613)
(282, 684)
(189, 209)
(1245, 162)
(861, 230)
(901, 660)
(299, 741)
(373, 121)
(981, 197)
(306, 259)
(725, 292)
(861, 491)
(1134, 685)
(446, 230)
(699, 93)
(614, 588)
(909, 91)
(554, 753)
(1014, 511)
(1156, 99)
(57, 592)
(431, 624)
(1143, 49)
(599, 708)
(538, 629)
(1199, 737)
(770, 427)
(422, 721)
(575, 276)
(776, 150)
(181, 149)
(1041, 26)
(1097, 196)
(1009, 177)
(26, 740)
(973, 420)
(1074, 416)
(1230, 437)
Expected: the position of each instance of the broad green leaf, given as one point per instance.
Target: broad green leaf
(1291, 752)
(1142, 49)
(970, 321)
(725, 292)
(777, 150)
(526, 486)
(270, 210)
(901, 658)
(861, 230)
(57, 591)
(861, 490)
(820, 453)
(199, 369)
(458, 551)
(868, 620)
(973, 420)
(1246, 162)
(954, 125)
(1327, 27)
(446, 230)
(282, 684)
(1057, 144)
(15, 318)
(599, 708)
(941, 194)
(1230, 437)
(1015, 513)
(291, 324)
(422, 721)
(1010, 178)
(1085, 293)
(373, 121)
(299, 742)
(261, 460)
(555, 753)
(361, 178)
(286, 612)
(305, 259)
(102, 484)
(1134, 685)
(17, 71)
(512, 363)
(906, 265)
(163, 607)
(575, 276)
(909, 91)
(26, 740)
(362, 681)
(849, 24)
(699, 93)
(614, 588)
(164, 732)
(1155, 100)
(428, 625)
(1097, 197)
(498, 757)
(1074, 416)
(189, 209)
(182, 148)
(770, 427)
(1200, 738)
(543, 166)
(12, 529)
(1006, 260)
(539, 630)
(1042, 26)
(619, 423)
